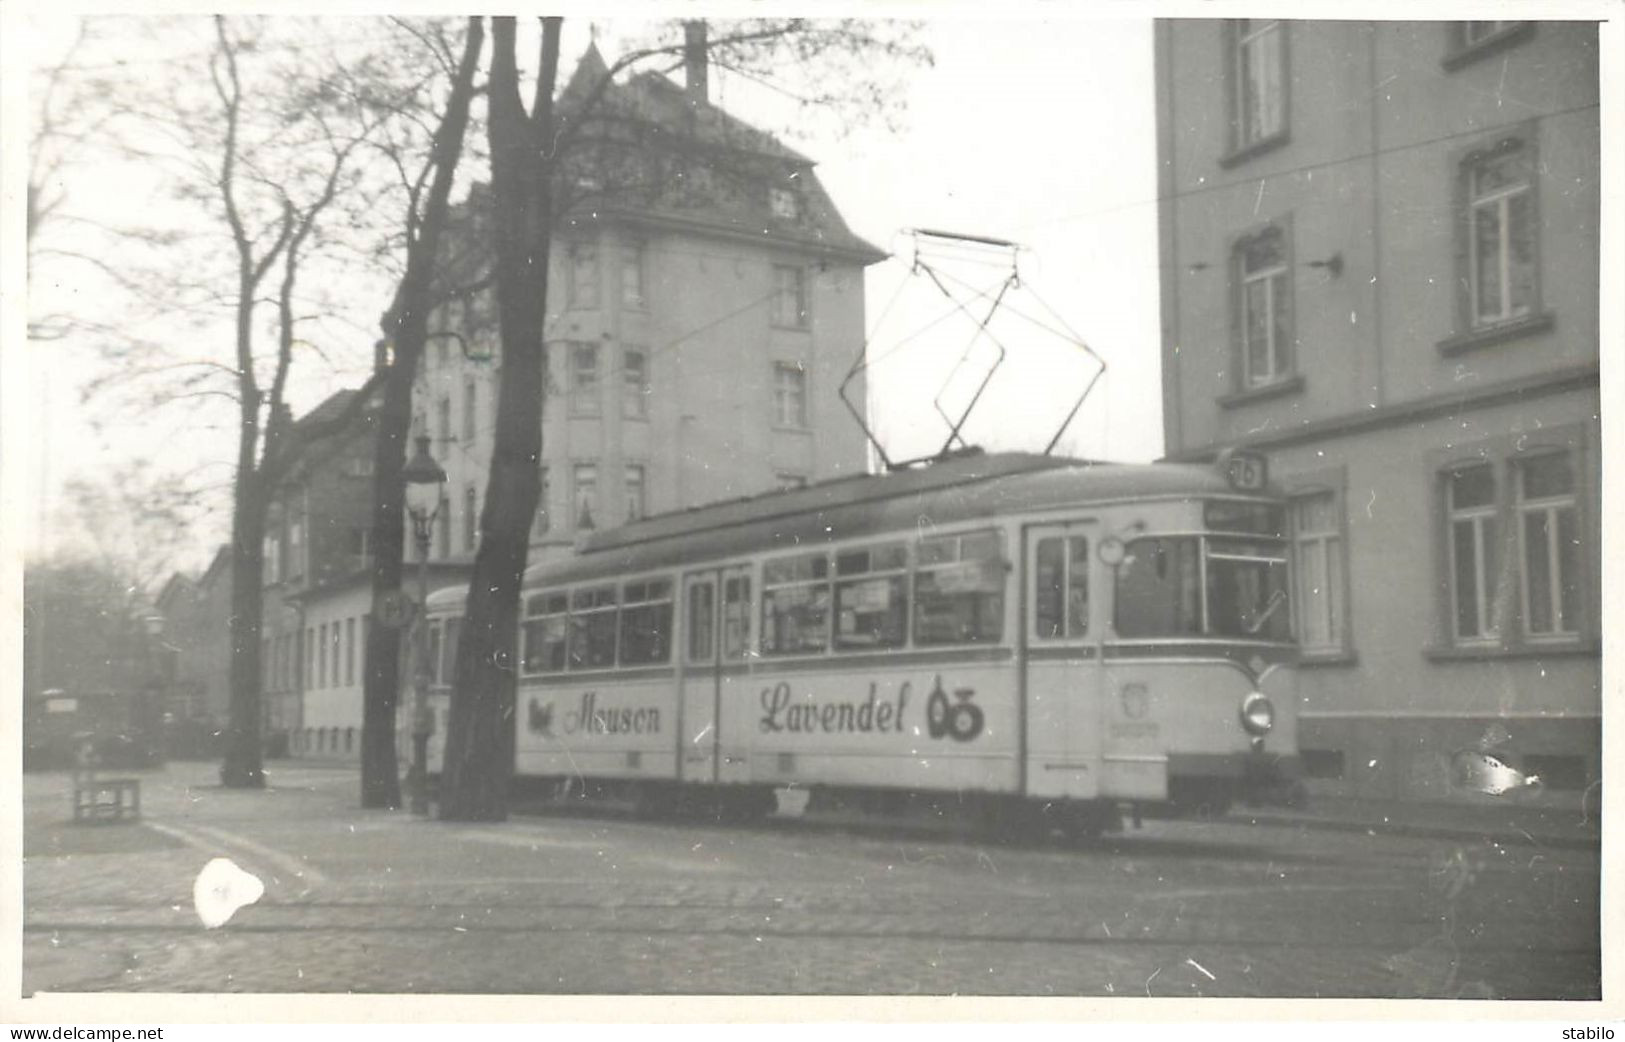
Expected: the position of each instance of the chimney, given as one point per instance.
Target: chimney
(694, 61)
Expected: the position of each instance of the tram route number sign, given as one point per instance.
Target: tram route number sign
(1246, 471)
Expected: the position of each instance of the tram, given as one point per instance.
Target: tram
(1029, 633)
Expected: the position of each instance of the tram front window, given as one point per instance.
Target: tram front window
(1159, 589)
(1246, 585)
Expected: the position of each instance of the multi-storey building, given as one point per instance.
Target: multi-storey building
(698, 328)
(1380, 254)
(697, 334)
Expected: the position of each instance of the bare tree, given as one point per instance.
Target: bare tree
(260, 157)
(534, 152)
(131, 522)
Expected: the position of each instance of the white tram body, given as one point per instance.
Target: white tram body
(1014, 625)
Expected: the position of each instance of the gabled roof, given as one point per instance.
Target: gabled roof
(670, 121)
(219, 569)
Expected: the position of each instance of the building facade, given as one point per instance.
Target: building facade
(697, 330)
(318, 593)
(197, 639)
(1379, 262)
(697, 333)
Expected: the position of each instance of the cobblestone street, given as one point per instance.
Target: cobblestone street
(381, 902)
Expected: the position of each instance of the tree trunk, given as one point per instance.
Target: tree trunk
(480, 737)
(243, 767)
(380, 774)
(407, 326)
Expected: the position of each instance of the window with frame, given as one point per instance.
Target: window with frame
(871, 597)
(592, 628)
(360, 546)
(785, 203)
(1317, 543)
(1549, 528)
(634, 383)
(296, 550)
(789, 396)
(789, 296)
(544, 505)
(1264, 304)
(795, 605)
(321, 656)
(431, 654)
(271, 551)
(584, 379)
(1061, 588)
(632, 261)
(1471, 509)
(470, 411)
(545, 633)
(349, 650)
(646, 622)
(442, 526)
(308, 652)
(1258, 82)
(585, 495)
(443, 416)
(636, 506)
(1500, 231)
(333, 680)
(471, 518)
(582, 280)
(959, 589)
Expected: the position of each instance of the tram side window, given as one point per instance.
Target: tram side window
(795, 605)
(871, 597)
(646, 622)
(545, 630)
(592, 628)
(1159, 588)
(431, 665)
(959, 589)
(701, 622)
(1061, 588)
(735, 616)
(448, 653)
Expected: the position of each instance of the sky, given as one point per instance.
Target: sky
(1034, 130)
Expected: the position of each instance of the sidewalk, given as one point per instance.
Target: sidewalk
(1491, 818)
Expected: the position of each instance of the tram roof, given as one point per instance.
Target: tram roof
(970, 487)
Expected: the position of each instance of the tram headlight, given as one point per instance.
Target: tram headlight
(1257, 714)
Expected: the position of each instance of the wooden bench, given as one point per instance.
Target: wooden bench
(106, 799)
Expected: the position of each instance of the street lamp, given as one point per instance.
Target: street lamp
(425, 481)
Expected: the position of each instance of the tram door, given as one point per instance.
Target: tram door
(716, 621)
(1061, 673)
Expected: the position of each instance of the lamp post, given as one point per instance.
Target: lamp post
(424, 480)
(152, 718)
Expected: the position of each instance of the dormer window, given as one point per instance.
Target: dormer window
(785, 204)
